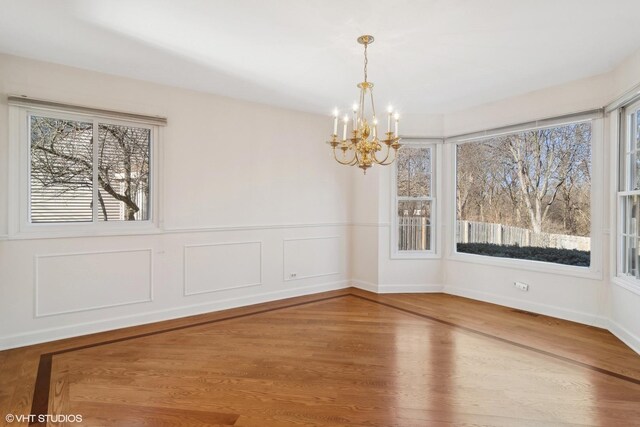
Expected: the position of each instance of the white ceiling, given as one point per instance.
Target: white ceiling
(430, 56)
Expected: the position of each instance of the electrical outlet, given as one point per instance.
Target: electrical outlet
(522, 286)
(292, 275)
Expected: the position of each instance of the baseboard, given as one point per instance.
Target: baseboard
(616, 329)
(548, 310)
(53, 334)
(396, 289)
(412, 289)
(624, 335)
(365, 286)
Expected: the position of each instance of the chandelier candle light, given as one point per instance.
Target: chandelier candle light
(364, 142)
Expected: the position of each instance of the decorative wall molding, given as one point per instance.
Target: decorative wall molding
(52, 334)
(185, 277)
(296, 239)
(36, 275)
(288, 278)
(166, 231)
(178, 230)
(370, 224)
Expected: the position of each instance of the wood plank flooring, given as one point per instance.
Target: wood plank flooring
(346, 357)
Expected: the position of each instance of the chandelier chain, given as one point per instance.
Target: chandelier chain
(366, 61)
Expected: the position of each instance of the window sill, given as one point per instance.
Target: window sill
(632, 285)
(409, 255)
(530, 265)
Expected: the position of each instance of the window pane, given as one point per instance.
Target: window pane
(635, 172)
(636, 260)
(414, 225)
(627, 223)
(637, 120)
(123, 156)
(527, 195)
(414, 171)
(61, 178)
(634, 218)
(632, 256)
(629, 239)
(623, 254)
(630, 167)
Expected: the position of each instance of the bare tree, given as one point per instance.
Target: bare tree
(516, 179)
(414, 172)
(543, 160)
(62, 158)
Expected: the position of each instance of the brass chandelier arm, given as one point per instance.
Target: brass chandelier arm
(395, 146)
(346, 163)
(382, 162)
(385, 163)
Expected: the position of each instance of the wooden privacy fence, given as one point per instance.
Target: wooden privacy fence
(499, 234)
(413, 233)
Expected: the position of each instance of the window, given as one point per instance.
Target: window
(75, 177)
(79, 170)
(526, 195)
(629, 193)
(413, 211)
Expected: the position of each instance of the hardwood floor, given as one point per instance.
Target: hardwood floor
(339, 358)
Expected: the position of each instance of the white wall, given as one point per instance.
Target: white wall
(253, 176)
(551, 291)
(364, 229)
(576, 96)
(589, 298)
(272, 191)
(597, 300)
(564, 296)
(402, 275)
(373, 268)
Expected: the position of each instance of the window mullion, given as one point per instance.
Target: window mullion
(95, 139)
(417, 198)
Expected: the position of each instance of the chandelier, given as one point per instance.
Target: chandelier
(364, 143)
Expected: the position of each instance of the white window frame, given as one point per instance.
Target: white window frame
(594, 271)
(20, 225)
(433, 252)
(623, 134)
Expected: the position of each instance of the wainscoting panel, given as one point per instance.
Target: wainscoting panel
(221, 266)
(311, 257)
(67, 283)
